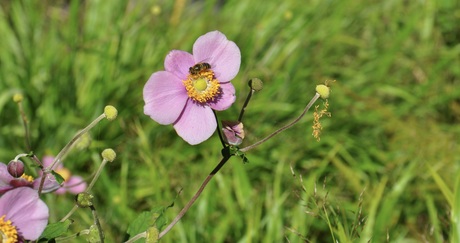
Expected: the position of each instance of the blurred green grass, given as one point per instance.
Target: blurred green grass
(385, 168)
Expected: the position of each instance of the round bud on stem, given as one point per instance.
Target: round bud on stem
(84, 200)
(18, 98)
(256, 84)
(233, 132)
(109, 155)
(110, 112)
(15, 168)
(323, 90)
(152, 234)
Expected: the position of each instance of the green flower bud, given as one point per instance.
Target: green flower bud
(109, 155)
(110, 112)
(152, 235)
(323, 90)
(93, 235)
(256, 84)
(18, 98)
(84, 200)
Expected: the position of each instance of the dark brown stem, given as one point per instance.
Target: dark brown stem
(219, 131)
(246, 102)
(97, 223)
(312, 101)
(195, 197)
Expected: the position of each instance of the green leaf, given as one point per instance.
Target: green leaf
(58, 177)
(54, 230)
(147, 219)
(142, 223)
(235, 151)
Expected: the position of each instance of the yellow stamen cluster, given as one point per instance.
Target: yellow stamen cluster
(8, 232)
(202, 87)
(316, 116)
(27, 178)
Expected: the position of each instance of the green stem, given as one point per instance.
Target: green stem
(195, 197)
(312, 101)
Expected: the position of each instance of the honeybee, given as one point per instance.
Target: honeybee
(202, 66)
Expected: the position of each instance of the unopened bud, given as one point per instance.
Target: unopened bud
(109, 155)
(15, 168)
(152, 235)
(110, 112)
(93, 235)
(323, 90)
(84, 200)
(18, 98)
(256, 84)
(233, 132)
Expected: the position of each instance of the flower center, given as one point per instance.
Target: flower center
(202, 86)
(8, 232)
(28, 178)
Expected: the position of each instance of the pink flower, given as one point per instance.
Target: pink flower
(22, 215)
(8, 182)
(73, 184)
(233, 132)
(193, 85)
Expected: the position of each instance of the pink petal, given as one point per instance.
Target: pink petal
(223, 55)
(49, 185)
(60, 191)
(75, 185)
(196, 124)
(165, 97)
(178, 63)
(225, 99)
(48, 161)
(5, 176)
(26, 211)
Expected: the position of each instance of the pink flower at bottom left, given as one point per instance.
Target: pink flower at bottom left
(23, 216)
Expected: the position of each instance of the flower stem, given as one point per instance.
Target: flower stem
(254, 84)
(195, 197)
(69, 213)
(69, 145)
(26, 127)
(219, 131)
(66, 149)
(137, 237)
(98, 173)
(312, 101)
(97, 223)
(246, 102)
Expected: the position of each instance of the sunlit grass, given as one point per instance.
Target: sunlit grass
(386, 167)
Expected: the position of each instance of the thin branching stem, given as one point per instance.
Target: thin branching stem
(66, 149)
(312, 101)
(69, 213)
(97, 223)
(246, 102)
(137, 237)
(96, 176)
(69, 145)
(222, 163)
(219, 131)
(195, 197)
(26, 127)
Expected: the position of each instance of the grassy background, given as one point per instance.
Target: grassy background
(388, 160)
